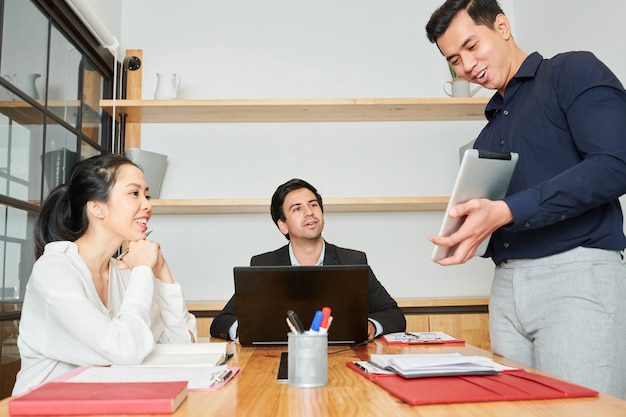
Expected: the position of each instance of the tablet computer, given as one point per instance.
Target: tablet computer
(482, 174)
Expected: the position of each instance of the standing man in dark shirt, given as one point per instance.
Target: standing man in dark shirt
(557, 298)
(298, 211)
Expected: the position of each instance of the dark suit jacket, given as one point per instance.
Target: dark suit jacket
(382, 307)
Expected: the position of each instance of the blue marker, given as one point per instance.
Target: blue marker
(317, 320)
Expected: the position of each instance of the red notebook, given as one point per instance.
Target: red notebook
(506, 386)
(82, 398)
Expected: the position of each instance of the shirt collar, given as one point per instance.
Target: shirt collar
(528, 69)
(529, 66)
(294, 261)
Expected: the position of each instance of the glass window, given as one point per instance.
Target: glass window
(4, 154)
(24, 47)
(63, 85)
(50, 117)
(87, 150)
(21, 135)
(61, 154)
(16, 251)
(92, 93)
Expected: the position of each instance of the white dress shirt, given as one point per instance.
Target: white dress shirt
(64, 324)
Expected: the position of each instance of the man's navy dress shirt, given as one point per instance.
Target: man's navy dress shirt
(566, 117)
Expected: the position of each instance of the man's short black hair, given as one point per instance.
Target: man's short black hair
(482, 12)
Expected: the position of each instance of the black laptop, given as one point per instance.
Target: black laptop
(263, 295)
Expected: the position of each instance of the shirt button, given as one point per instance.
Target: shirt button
(506, 112)
(502, 142)
(563, 217)
(506, 244)
(527, 224)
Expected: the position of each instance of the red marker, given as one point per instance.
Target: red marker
(325, 320)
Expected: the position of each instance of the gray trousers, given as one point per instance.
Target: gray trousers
(565, 315)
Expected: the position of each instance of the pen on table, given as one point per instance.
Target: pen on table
(291, 326)
(317, 319)
(295, 321)
(361, 367)
(411, 336)
(227, 356)
(325, 320)
(119, 258)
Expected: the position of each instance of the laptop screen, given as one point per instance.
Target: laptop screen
(264, 294)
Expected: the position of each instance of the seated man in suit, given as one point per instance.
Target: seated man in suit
(297, 210)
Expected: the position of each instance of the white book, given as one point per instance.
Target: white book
(186, 354)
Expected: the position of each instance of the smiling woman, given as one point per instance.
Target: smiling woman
(83, 307)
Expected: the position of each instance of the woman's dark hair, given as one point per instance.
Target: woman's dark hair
(276, 207)
(63, 215)
(482, 12)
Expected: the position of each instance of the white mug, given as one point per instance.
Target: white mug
(459, 88)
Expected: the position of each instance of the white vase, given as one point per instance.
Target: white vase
(25, 82)
(153, 166)
(167, 86)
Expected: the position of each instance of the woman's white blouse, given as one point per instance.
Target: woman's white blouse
(64, 324)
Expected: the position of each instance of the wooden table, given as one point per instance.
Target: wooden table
(255, 392)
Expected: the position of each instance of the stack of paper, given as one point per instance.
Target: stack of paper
(187, 354)
(198, 377)
(201, 364)
(426, 365)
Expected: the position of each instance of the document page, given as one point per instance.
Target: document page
(420, 338)
(186, 354)
(429, 364)
(198, 377)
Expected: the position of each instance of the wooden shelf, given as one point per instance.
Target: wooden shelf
(25, 114)
(293, 110)
(22, 112)
(331, 205)
(298, 110)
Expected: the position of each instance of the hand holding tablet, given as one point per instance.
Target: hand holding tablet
(482, 174)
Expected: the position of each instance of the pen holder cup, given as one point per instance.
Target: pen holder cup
(307, 360)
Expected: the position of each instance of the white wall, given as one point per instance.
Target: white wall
(110, 14)
(287, 49)
(550, 27)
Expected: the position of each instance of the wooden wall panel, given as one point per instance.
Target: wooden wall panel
(204, 326)
(417, 323)
(473, 328)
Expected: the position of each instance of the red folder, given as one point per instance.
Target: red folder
(84, 398)
(506, 386)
